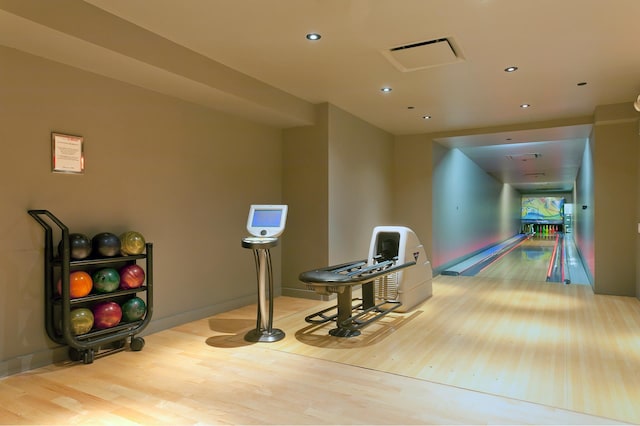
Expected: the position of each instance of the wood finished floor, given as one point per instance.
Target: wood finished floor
(479, 351)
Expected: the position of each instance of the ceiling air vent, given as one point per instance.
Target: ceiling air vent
(523, 157)
(423, 54)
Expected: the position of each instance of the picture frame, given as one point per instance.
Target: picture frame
(67, 153)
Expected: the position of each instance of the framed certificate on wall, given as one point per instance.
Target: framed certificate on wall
(67, 153)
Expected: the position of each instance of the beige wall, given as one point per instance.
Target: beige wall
(615, 163)
(305, 242)
(338, 184)
(360, 184)
(413, 186)
(182, 175)
(637, 192)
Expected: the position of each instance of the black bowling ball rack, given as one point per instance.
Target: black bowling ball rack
(97, 342)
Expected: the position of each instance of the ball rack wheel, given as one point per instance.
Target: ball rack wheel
(87, 356)
(74, 354)
(137, 343)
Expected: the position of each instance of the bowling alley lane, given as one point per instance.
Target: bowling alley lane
(528, 261)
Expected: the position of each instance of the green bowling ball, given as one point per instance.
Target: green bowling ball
(133, 309)
(106, 280)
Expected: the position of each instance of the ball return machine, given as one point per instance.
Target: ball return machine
(395, 277)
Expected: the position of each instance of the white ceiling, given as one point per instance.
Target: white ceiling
(250, 57)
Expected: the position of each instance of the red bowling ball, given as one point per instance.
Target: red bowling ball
(131, 276)
(106, 315)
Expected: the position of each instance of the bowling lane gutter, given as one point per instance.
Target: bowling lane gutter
(500, 255)
(487, 258)
(552, 261)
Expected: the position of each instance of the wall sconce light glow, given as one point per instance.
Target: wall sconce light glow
(511, 69)
(525, 105)
(386, 89)
(313, 36)
(426, 117)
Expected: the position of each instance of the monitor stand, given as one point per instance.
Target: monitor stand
(264, 331)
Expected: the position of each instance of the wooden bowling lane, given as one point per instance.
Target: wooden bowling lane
(528, 262)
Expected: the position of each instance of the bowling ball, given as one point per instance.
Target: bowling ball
(79, 246)
(80, 284)
(133, 309)
(132, 243)
(81, 320)
(106, 244)
(106, 280)
(106, 315)
(131, 276)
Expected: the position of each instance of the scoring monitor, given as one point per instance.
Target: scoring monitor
(266, 220)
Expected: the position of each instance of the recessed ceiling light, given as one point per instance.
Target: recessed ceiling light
(511, 69)
(525, 106)
(313, 36)
(386, 89)
(426, 117)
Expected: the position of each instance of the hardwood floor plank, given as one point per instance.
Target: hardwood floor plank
(481, 350)
(523, 339)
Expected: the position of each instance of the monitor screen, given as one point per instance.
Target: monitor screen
(266, 220)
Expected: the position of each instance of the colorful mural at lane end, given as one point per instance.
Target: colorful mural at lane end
(542, 210)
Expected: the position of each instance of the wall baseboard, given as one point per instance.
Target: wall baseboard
(27, 362)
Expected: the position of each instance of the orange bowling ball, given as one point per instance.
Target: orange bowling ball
(80, 284)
